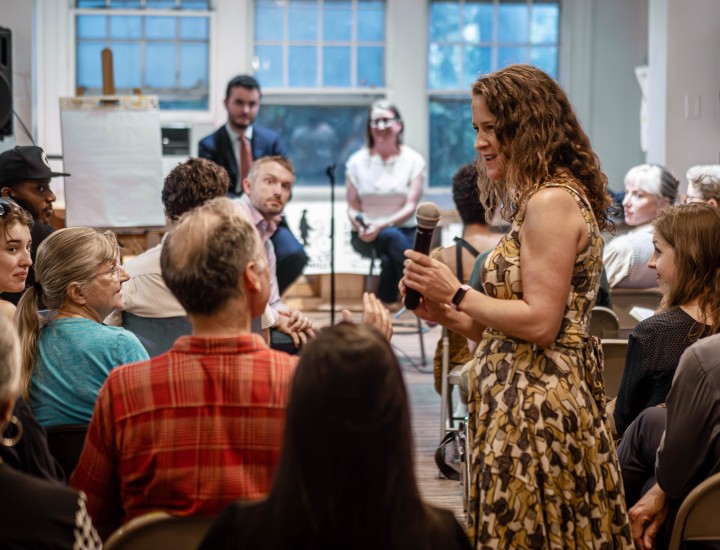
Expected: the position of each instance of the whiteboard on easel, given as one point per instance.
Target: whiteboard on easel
(112, 149)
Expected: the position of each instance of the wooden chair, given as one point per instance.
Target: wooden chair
(604, 323)
(66, 442)
(624, 299)
(697, 519)
(614, 351)
(449, 378)
(160, 530)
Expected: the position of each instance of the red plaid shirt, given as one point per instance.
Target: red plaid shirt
(188, 431)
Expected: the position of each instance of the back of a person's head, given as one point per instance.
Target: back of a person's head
(466, 195)
(693, 232)
(9, 360)
(706, 179)
(654, 179)
(348, 437)
(205, 253)
(191, 184)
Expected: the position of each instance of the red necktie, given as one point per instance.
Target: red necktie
(245, 159)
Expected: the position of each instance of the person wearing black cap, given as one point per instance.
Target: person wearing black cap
(25, 175)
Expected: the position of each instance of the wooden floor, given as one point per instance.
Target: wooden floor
(424, 410)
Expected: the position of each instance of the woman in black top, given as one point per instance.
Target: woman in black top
(34, 513)
(346, 477)
(687, 262)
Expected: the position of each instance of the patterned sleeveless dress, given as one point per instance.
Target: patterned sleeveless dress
(544, 471)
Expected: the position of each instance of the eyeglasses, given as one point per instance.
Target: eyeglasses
(687, 199)
(8, 205)
(382, 123)
(115, 271)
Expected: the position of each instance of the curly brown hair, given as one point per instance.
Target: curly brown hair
(191, 184)
(541, 140)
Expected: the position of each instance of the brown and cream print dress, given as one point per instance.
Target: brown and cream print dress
(544, 471)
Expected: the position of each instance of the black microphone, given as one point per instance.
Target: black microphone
(361, 220)
(428, 216)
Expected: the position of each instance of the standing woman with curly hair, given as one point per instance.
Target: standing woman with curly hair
(544, 470)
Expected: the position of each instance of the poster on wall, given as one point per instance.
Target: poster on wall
(112, 147)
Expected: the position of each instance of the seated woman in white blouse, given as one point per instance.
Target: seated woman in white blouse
(648, 189)
(384, 183)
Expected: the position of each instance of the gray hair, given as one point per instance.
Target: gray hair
(9, 360)
(706, 179)
(654, 179)
(205, 254)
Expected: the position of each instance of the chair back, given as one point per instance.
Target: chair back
(66, 442)
(614, 351)
(697, 519)
(604, 323)
(624, 299)
(160, 530)
(157, 335)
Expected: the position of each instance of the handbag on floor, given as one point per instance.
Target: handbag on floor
(450, 454)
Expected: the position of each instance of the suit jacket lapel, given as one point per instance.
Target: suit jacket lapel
(225, 148)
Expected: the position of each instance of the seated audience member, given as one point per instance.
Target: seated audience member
(648, 189)
(667, 452)
(31, 454)
(704, 184)
(67, 357)
(384, 183)
(687, 263)
(15, 244)
(34, 513)
(477, 237)
(234, 146)
(267, 190)
(25, 175)
(205, 421)
(355, 488)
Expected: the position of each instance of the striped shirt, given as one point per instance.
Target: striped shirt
(188, 431)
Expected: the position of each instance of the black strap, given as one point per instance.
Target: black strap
(461, 243)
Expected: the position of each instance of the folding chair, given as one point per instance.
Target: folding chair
(697, 519)
(160, 530)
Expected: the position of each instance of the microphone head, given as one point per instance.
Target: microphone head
(428, 215)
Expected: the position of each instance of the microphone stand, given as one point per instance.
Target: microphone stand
(331, 176)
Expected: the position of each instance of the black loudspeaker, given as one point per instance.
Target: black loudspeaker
(6, 99)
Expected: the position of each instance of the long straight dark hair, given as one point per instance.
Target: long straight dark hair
(346, 477)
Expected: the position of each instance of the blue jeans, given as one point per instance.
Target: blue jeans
(389, 246)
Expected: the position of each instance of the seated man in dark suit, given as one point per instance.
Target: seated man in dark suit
(234, 146)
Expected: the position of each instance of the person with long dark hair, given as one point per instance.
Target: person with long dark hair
(346, 476)
(544, 470)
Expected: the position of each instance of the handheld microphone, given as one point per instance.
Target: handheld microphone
(361, 220)
(428, 216)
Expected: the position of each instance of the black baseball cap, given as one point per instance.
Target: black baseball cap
(25, 162)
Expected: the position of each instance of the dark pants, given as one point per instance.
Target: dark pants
(290, 254)
(390, 247)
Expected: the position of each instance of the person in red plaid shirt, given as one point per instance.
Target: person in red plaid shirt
(200, 426)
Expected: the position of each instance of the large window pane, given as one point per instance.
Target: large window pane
(268, 20)
(478, 21)
(91, 26)
(194, 28)
(125, 27)
(302, 64)
(194, 5)
(269, 69)
(444, 67)
(545, 58)
(508, 56)
(317, 137)
(193, 66)
(451, 139)
(370, 67)
(90, 3)
(160, 65)
(160, 4)
(336, 67)
(127, 64)
(160, 28)
(302, 20)
(513, 21)
(444, 21)
(125, 4)
(371, 21)
(337, 20)
(477, 61)
(545, 23)
(89, 66)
